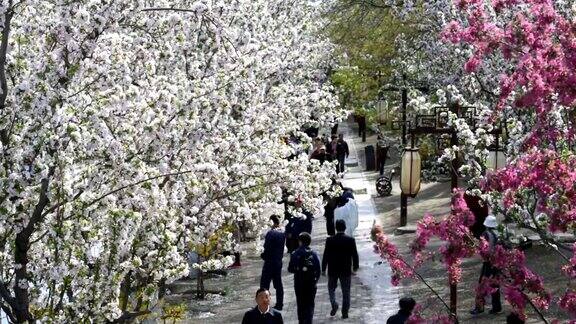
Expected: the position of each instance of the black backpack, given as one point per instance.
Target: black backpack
(305, 270)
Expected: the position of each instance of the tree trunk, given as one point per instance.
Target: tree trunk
(22, 298)
(22, 313)
(200, 293)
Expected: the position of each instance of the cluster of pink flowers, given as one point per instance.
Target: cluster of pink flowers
(570, 269)
(439, 319)
(518, 280)
(539, 45)
(417, 318)
(539, 42)
(388, 251)
(549, 176)
(568, 302)
(454, 230)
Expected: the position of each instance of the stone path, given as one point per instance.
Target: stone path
(373, 273)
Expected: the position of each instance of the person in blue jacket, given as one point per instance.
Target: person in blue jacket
(305, 265)
(272, 256)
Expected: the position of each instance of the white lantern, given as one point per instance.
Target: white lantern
(410, 172)
(496, 160)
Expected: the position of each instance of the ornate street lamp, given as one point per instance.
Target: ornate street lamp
(410, 172)
(496, 159)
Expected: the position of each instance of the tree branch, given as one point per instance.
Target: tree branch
(168, 9)
(5, 294)
(535, 308)
(135, 184)
(8, 312)
(127, 317)
(3, 53)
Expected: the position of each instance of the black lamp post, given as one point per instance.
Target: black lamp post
(404, 123)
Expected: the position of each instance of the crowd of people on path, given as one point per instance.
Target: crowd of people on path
(328, 150)
(340, 259)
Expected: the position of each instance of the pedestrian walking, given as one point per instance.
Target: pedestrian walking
(305, 266)
(272, 256)
(488, 270)
(407, 305)
(331, 204)
(334, 129)
(316, 146)
(381, 155)
(347, 210)
(479, 208)
(341, 258)
(295, 226)
(342, 152)
(362, 127)
(262, 313)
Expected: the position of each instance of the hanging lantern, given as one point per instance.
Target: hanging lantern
(496, 159)
(410, 172)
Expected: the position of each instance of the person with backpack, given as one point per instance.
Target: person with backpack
(305, 265)
(341, 258)
(488, 270)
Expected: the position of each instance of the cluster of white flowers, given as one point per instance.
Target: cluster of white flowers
(214, 264)
(130, 135)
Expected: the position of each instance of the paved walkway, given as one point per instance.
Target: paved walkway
(373, 273)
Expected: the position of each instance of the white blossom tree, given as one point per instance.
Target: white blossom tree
(133, 130)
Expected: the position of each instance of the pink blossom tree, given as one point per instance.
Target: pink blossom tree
(536, 40)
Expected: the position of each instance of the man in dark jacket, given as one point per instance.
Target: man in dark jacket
(262, 313)
(407, 304)
(272, 256)
(331, 204)
(305, 266)
(342, 152)
(341, 258)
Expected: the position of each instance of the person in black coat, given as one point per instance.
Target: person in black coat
(331, 205)
(295, 226)
(272, 256)
(407, 304)
(305, 266)
(341, 258)
(479, 208)
(342, 152)
(262, 313)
